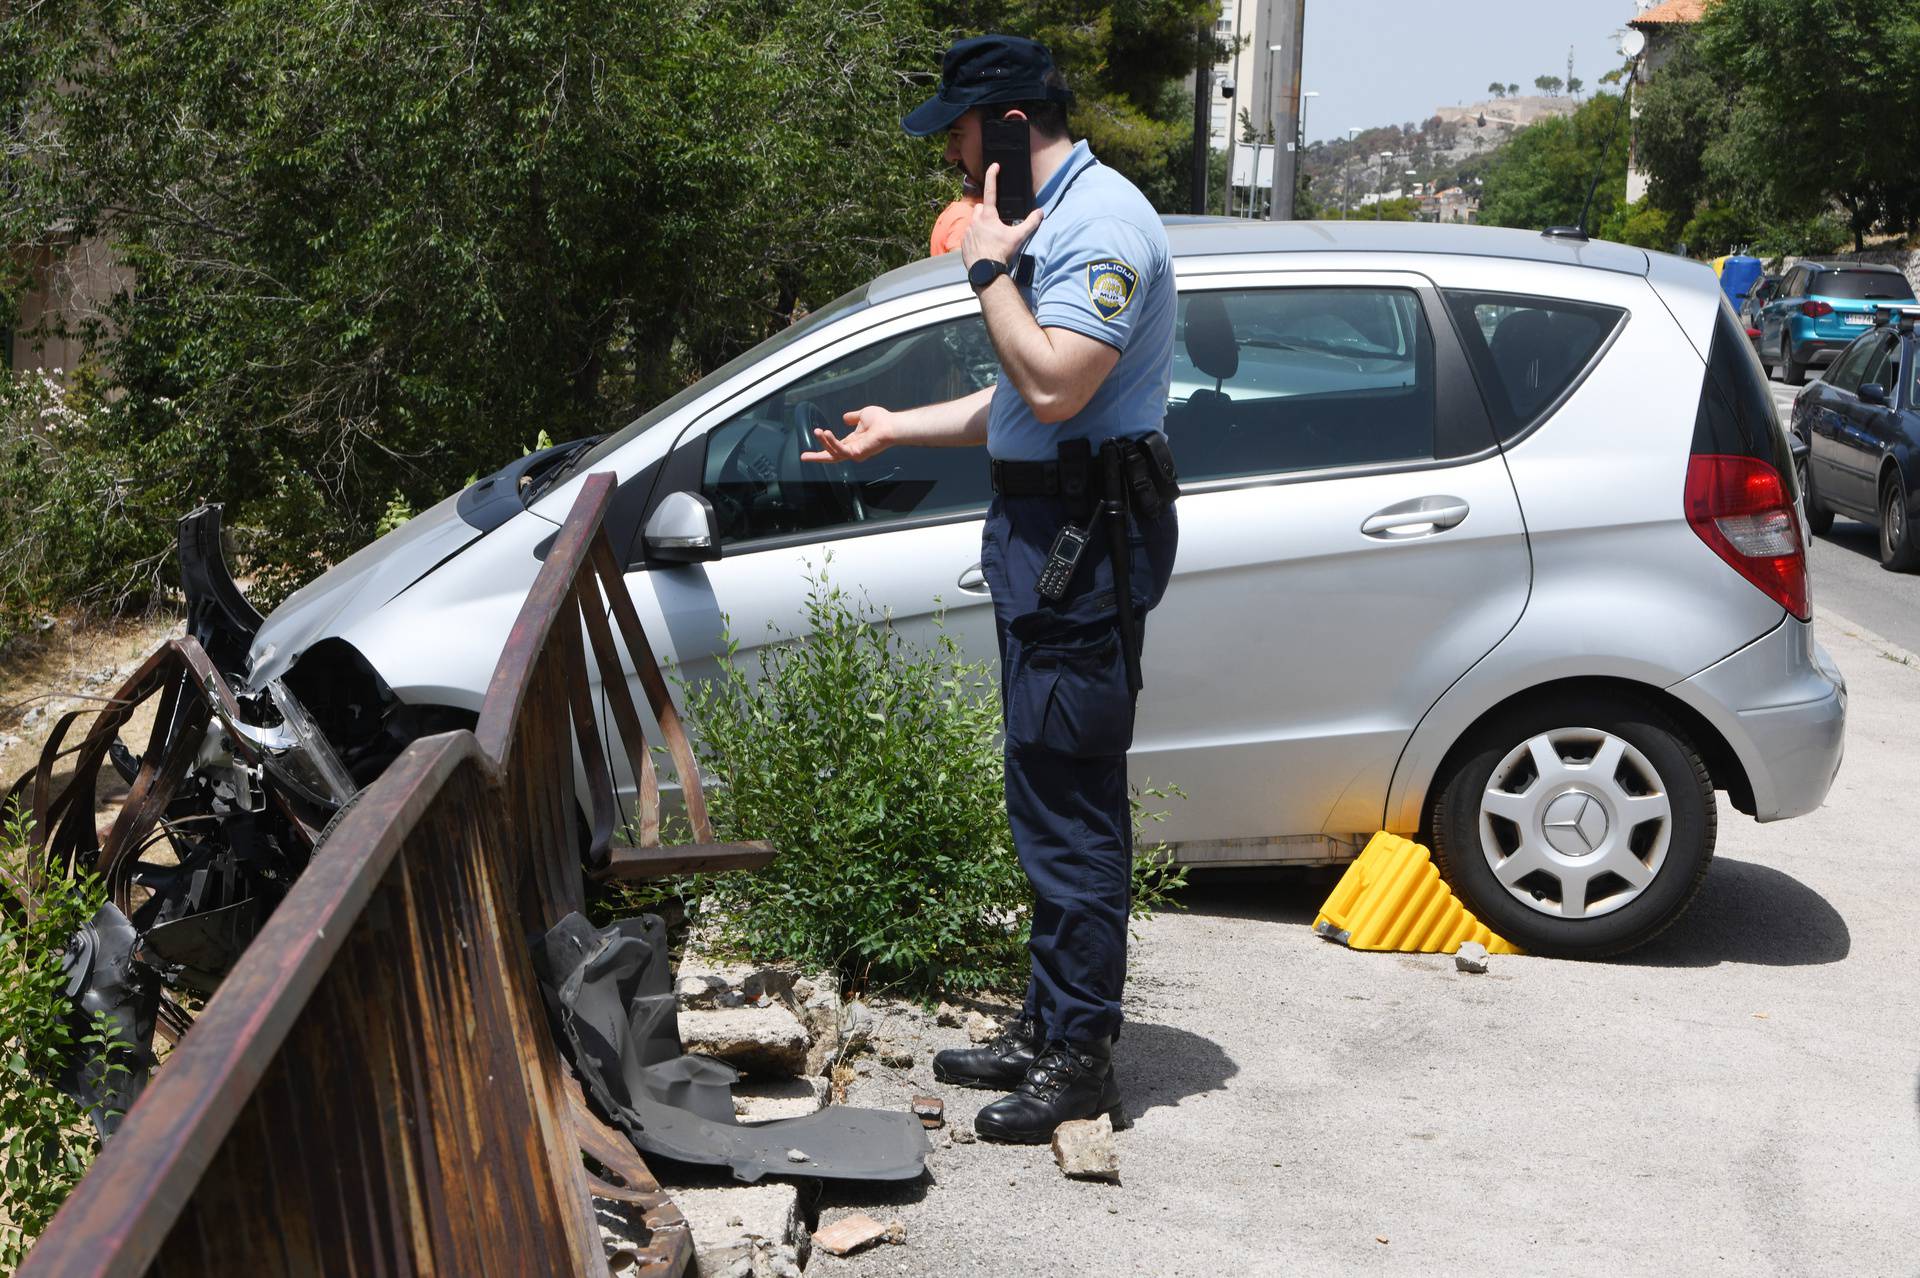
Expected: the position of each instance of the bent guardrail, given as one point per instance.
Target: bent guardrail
(374, 1087)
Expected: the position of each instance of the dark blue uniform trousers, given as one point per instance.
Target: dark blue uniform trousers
(1069, 722)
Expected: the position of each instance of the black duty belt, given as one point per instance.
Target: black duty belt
(1026, 478)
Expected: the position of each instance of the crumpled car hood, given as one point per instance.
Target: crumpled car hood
(356, 586)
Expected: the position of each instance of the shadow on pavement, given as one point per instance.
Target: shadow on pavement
(1861, 539)
(1749, 913)
(1277, 895)
(1161, 1066)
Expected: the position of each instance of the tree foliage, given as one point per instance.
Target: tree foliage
(379, 248)
(1787, 108)
(1541, 177)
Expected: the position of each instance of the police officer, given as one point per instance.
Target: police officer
(1079, 543)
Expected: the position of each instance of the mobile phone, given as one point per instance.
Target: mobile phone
(1005, 142)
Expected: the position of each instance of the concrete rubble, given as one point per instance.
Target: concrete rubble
(754, 1225)
(980, 1028)
(782, 1029)
(754, 1040)
(857, 1232)
(1084, 1149)
(930, 1110)
(1471, 957)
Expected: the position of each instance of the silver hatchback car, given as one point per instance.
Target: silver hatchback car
(1487, 536)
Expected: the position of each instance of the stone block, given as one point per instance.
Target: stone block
(1084, 1149)
(849, 1234)
(760, 1100)
(754, 1040)
(741, 1223)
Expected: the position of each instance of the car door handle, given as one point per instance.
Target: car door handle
(974, 581)
(1421, 517)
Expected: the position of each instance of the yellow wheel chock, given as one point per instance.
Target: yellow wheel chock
(1393, 898)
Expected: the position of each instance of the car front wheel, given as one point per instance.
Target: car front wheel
(1577, 828)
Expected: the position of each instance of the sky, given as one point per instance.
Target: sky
(1389, 61)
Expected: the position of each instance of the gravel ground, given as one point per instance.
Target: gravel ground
(1738, 1097)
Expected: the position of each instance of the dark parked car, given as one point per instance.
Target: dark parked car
(1861, 425)
(1818, 309)
(1749, 306)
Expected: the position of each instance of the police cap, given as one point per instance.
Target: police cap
(983, 70)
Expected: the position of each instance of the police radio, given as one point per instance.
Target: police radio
(1006, 142)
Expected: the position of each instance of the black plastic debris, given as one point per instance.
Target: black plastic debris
(611, 995)
(115, 995)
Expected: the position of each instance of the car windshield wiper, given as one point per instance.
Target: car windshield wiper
(532, 487)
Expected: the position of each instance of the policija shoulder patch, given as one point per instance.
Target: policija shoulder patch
(1110, 286)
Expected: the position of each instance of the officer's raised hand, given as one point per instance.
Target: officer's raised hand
(872, 434)
(987, 236)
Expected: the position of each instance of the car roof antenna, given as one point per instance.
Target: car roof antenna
(1579, 230)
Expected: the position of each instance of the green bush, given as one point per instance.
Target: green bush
(1718, 229)
(874, 766)
(48, 1140)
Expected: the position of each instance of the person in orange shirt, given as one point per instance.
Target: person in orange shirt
(951, 226)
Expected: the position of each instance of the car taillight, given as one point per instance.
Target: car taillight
(1753, 333)
(1739, 506)
(1814, 308)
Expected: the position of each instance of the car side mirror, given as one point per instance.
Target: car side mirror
(683, 530)
(1796, 447)
(1873, 393)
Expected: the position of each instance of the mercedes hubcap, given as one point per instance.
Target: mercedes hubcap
(1575, 823)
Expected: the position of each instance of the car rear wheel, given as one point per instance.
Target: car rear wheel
(1577, 828)
(1899, 551)
(1819, 518)
(1792, 371)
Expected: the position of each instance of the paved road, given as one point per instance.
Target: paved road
(1847, 576)
(1737, 1098)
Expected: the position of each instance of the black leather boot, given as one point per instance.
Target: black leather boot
(1067, 1081)
(1003, 1062)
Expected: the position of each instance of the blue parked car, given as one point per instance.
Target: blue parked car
(1817, 311)
(1861, 427)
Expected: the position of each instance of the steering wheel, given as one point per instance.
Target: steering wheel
(807, 417)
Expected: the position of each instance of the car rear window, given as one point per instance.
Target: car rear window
(1862, 286)
(1528, 352)
(1736, 416)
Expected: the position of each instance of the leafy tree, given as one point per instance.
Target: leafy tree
(1642, 225)
(378, 249)
(1130, 64)
(1541, 177)
(1497, 89)
(1575, 84)
(1548, 84)
(1787, 108)
(1513, 90)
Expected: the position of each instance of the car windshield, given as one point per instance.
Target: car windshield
(667, 408)
(1863, 286)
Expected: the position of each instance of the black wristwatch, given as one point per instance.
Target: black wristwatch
(986, 271)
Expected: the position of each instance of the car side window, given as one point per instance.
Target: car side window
(1879, 366)
(1529, 352)
(760, 488)
(1267, 381)
(1852, 362)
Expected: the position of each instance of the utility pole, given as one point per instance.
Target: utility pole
(1202, 114)
(1285, 27)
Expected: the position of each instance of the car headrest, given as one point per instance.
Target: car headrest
(1530, 357)
(1210, 342)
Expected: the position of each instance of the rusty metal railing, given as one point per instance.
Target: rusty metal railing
(374, 1089)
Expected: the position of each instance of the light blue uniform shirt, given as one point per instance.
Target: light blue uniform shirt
(1102, 267)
